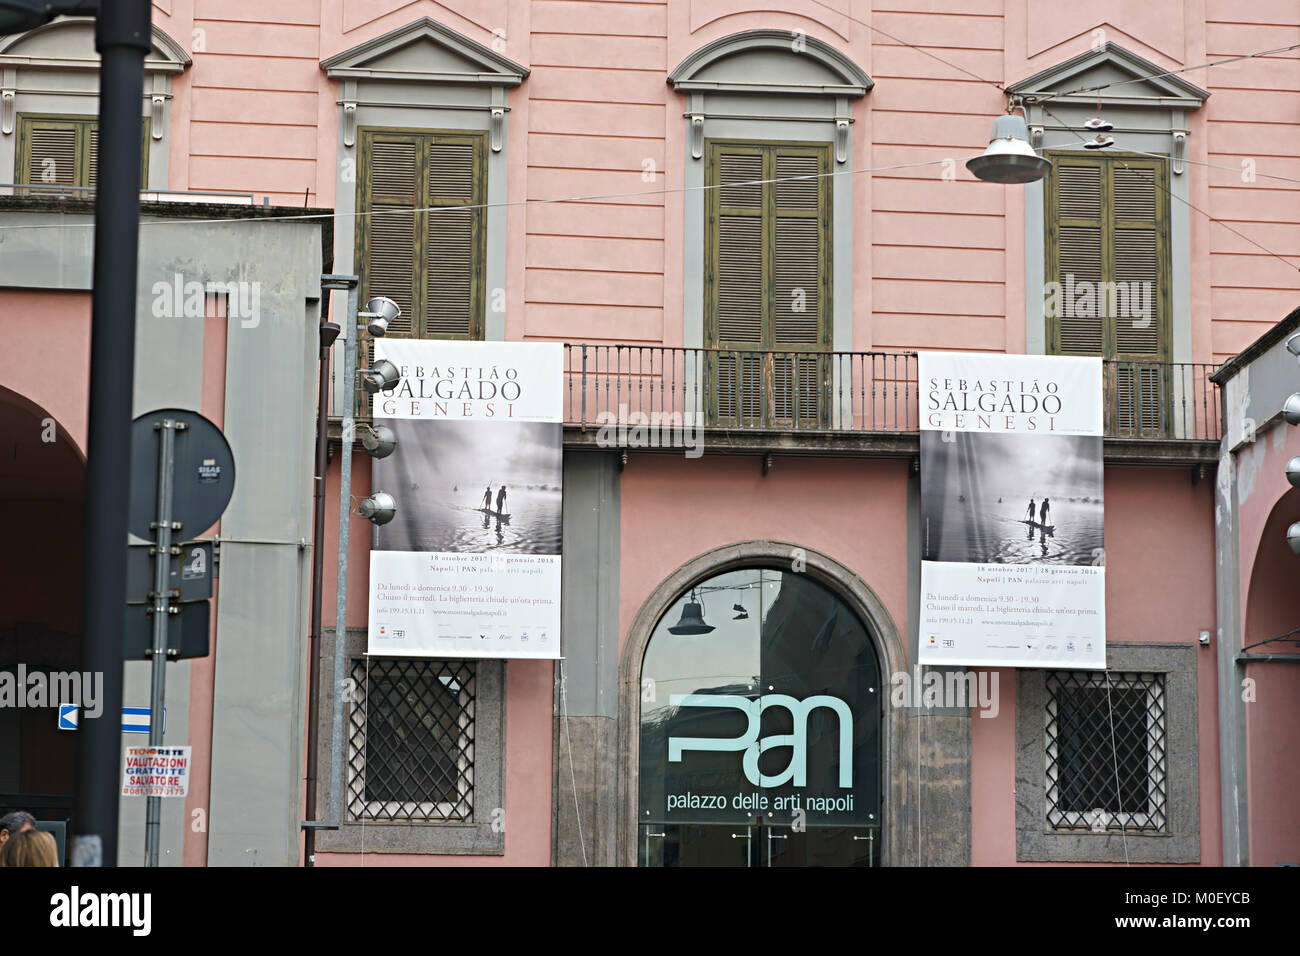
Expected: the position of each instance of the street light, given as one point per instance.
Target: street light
(1009, 158)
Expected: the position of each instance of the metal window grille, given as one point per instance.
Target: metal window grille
(1106, 751)
(411, 740)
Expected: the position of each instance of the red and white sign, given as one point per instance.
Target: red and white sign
(156, 772)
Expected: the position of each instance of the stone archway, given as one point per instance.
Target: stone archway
(898, 753)
(42, 491)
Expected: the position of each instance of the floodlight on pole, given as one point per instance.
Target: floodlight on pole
(380, 311)
(379, 508)
(378, 440)
(381, 376)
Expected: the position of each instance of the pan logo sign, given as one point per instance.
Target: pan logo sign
(748, 742)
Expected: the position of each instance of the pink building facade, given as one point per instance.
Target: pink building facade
(600, 135)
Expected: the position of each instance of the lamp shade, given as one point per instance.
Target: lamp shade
(1009, 157)
(691, 621)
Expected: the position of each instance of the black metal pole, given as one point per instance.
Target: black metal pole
(317, 578)
(122, 39)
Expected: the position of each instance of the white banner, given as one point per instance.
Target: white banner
(1012, 506)
(470, 565)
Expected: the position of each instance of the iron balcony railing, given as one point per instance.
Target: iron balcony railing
(807, 391)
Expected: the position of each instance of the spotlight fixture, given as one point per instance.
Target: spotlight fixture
(1291, 409)
(379, 508)
(1293, 344)
(1293, 471)
(1009, 158)
(380, 377)
(378, 440)
(1293, 537)
(380, 310)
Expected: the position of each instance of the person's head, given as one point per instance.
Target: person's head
(14, 823)
(30, 848)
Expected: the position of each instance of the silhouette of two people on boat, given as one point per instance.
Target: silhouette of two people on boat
(1043, 511)
(501, 501)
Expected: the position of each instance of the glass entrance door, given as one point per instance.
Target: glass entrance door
(667, 845)
(761, 715)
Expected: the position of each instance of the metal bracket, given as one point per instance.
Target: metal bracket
(156, 104)
(498, 126)
(768, 463)
(1178, 152)
(349, 123)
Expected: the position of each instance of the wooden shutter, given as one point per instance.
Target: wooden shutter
(422, 238)
(738, 274)
(1108, 225)
(391, 164)
(454, 262)
(801, 275)
(767, 279)
(1080, 247)
(49, 154)
(64, 151)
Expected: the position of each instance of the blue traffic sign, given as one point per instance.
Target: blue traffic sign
(135, 720)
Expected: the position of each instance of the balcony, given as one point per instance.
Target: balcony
(862, 404)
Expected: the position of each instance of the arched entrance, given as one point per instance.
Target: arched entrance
(755, 718)
(42, 490)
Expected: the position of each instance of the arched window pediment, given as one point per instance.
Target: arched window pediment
(770, 61)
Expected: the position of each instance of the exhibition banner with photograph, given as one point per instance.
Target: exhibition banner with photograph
(470, 565)
(1012, 555)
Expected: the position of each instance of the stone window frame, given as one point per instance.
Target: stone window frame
(482, 834)
(1150, 116)
(723, 101)
(379, 90)
(1179, 842)
(67, 84)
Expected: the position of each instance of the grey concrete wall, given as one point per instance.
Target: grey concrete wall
(586, 724)
(269, 412)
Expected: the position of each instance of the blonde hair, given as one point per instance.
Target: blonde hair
(30, 848)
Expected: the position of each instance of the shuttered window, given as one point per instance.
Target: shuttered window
(768, 280)
(63, 151)
(1108, 277)
(421, 229)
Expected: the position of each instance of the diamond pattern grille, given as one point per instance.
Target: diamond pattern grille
(1106, 756)
(411, 740)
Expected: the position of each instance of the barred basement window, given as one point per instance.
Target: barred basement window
(411, 740)
(1106, 751)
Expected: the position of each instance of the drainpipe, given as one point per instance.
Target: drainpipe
(328, 332)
